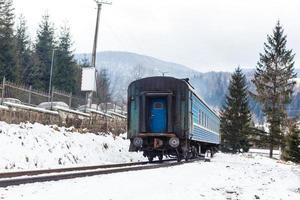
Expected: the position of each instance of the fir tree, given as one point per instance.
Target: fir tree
(64, 73)
(274, 84)
(24, 71)
(235, 115)
(292, 151)
(43, 53)
(77, 79)
(7, 59)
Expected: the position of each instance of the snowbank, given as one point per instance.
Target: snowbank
(35, 146)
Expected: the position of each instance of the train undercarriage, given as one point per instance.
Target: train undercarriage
(153, 146)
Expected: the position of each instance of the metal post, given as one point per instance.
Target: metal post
(50, 81)
(3, 90)
(70, 99)
(106, 118)
(86, 100)
(51, 98)
(29, 95)
(89, 99)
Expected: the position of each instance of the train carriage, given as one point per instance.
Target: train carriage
(166, 117)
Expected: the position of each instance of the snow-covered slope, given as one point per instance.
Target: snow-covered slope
(36, 146)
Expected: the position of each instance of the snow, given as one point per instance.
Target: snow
(225, 177)
(117, 114)
(70, 111)
(99, 112)
(35, 146)
(297, 82)
(265, 152)
(30, 108)
(3, 107)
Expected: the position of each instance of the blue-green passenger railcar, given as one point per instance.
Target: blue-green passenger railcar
(166, 117)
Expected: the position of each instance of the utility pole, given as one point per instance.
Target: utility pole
(99, 6)
(163, 73)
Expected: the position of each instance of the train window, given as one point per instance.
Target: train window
(199, 120)
(158, 105)
(202, 116)
(207, 122)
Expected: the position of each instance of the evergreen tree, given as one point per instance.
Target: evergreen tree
(274, 84)
(292, 151)
(64, 73)
(77, 78)
(235, 115)
(43, 54)
(24, 71)
(7, 59)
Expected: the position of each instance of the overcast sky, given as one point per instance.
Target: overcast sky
(202, 34)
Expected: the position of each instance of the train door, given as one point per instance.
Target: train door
(158, 115)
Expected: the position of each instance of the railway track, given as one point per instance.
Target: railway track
(25, 177)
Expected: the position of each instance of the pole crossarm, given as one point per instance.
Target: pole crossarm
(103, 2)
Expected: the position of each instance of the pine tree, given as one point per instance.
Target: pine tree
(292, 150)
(274, 84)
(43, 54)
(7, 59)
(77, 79)
(24, 71)
(64, 67)
(235, 115)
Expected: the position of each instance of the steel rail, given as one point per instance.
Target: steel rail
(5, 182)
(67, 169)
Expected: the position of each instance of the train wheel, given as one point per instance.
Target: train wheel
(150, 159)
(160, 158)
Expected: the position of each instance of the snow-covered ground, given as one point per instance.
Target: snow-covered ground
(36, 146)
(32, 146)
(225, 177)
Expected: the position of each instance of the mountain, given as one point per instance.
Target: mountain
(124, 67)
(115, 61)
